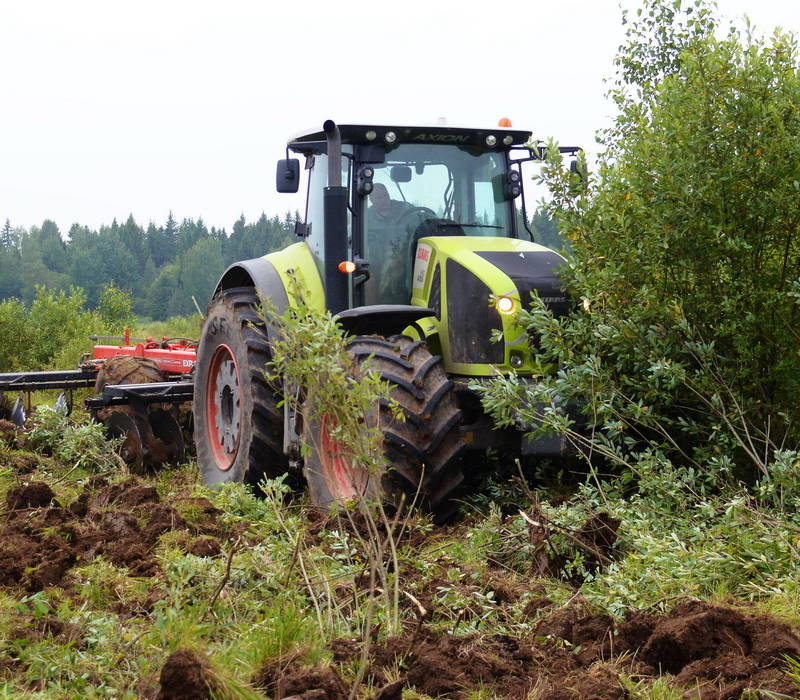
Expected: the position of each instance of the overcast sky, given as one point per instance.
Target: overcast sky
(110, 108)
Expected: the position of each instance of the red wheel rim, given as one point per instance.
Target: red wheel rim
(223, 407)
(344, 480)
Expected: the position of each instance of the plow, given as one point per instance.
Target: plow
(415, 239)
(143, 390)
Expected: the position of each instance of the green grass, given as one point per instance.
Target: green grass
(283, 585)
(173, 327)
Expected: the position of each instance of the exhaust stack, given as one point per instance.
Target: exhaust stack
(335, 213)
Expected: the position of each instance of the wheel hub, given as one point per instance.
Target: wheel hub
(226, 398)
(344, 479)
(224, 407)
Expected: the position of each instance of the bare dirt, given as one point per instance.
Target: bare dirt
(716, 653)
(20, 462)
(8, 431)
(184, 676)
(40, 540)
(287, 677)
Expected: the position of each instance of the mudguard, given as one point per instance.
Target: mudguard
(381, 319)
(279, 278)
(261, 274)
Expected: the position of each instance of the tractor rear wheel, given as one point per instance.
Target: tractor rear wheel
(238, 426)
(423, 452)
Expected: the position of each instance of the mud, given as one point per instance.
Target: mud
(391, 691)
(49, 627)
(205, 547)
(716, 653)
(287, 677)
(40, 540)
(35, 495)
(598, 535)
(21, 462)
(184, 676)
(8, 431)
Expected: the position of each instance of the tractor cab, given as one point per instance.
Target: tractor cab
(402, 184)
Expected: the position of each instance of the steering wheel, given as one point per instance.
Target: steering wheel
(420, 213)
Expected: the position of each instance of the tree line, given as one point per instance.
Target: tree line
(162, 267)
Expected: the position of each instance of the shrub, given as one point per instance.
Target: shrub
(685, 255)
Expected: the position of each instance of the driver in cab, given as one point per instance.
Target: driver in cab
(385, 211)
(388, 236)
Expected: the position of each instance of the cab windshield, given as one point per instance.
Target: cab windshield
(462, 185)
(428, 190)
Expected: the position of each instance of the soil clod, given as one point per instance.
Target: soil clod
(35, 495)
(184, 676)
(286, 677)
(205, 547)
(121, 521)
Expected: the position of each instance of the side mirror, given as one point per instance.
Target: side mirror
(287, 178)
(577, 171)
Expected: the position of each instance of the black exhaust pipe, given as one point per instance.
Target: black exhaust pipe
(335, 213)
(334, 153)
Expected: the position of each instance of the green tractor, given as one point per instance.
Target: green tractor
(413, 240)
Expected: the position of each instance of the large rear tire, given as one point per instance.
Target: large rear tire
(238, 425)
(423, 453)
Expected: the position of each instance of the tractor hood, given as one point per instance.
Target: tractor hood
(461, 278)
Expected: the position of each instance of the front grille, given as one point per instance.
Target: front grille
(470, 318)
(549, 290)
(533, 271)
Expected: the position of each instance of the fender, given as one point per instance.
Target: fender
(382, 319)
(261, 274)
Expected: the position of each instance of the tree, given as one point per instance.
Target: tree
(7, 239)
(545, 230)
(51, 247)
(686, 249)
(162, 243)
(200, 270)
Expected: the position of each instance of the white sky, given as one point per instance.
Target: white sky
(110, 108)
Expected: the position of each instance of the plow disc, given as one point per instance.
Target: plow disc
(151, 433)
(15, 413)
(121, 425)
(150, 438)
(167, 433)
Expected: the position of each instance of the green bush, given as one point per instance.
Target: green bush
(685, 252)
(57, 328)
(79, 445)
(16, 333)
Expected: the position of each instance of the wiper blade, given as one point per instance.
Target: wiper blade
(448, 223)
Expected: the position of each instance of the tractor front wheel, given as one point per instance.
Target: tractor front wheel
(422, 453)
(238, 425)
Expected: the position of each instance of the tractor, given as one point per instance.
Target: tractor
(413, 241)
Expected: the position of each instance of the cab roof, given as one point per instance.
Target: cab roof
(375, 134)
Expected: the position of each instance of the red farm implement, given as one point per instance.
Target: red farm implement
(140, 388)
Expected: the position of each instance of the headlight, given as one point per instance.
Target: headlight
(505, 305)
